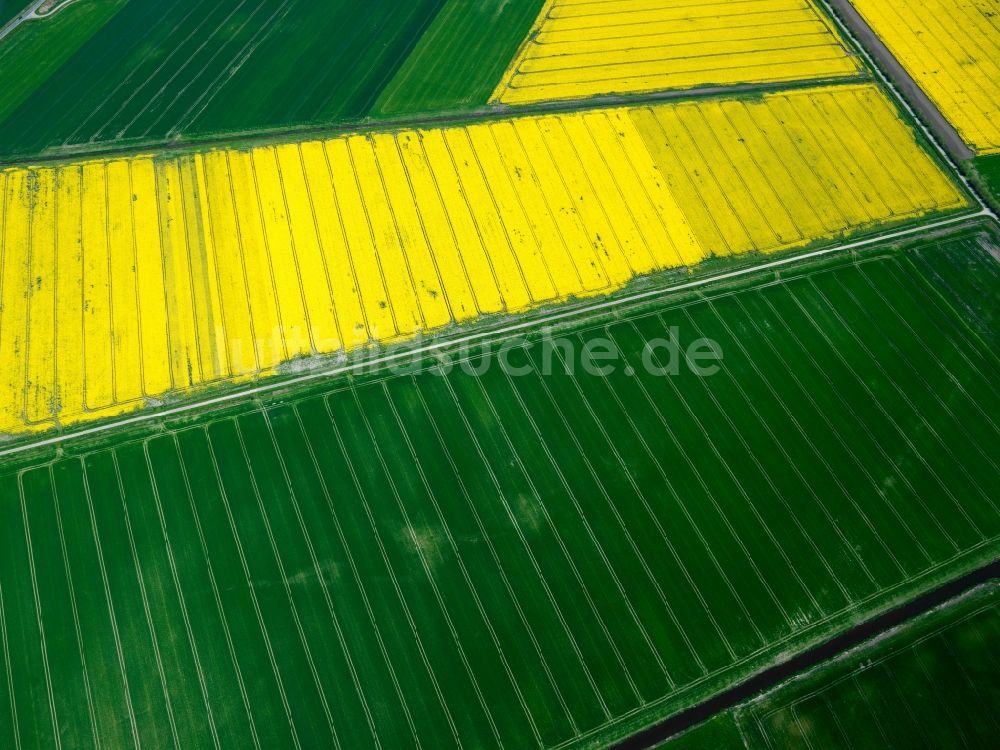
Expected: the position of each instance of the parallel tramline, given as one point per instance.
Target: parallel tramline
(583, 49)
(156, 275)
(547, 559)
(952, 49)
(306, 439)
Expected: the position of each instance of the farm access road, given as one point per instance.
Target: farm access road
(904, 82)
(29, 13)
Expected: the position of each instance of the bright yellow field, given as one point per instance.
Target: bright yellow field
(126, 281)
(952, 49)
(584, 48)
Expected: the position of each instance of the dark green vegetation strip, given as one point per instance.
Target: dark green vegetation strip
(718, 733)
(514, 560)
(929, 683)
(461, 59)
(159, 69)
(988, 169)
(37, 49)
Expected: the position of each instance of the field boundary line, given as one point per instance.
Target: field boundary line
(261, 136)
(496, 334)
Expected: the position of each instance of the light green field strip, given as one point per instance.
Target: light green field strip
(531, 557)
(455, 66)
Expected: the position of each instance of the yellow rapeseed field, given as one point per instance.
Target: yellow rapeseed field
(129, 280)
(952, 49)
(584, 48)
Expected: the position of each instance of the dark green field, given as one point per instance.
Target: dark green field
(513, 560)
(930, 683)
(36, 50)
(128, 72)
(157, 70)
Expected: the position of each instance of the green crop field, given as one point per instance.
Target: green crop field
(343, 408)
(521, 557)
(155, 71)
(93, 75)
(39, 48)
(456, 65)
(718, 733)
(929, 683)
(941, 668)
